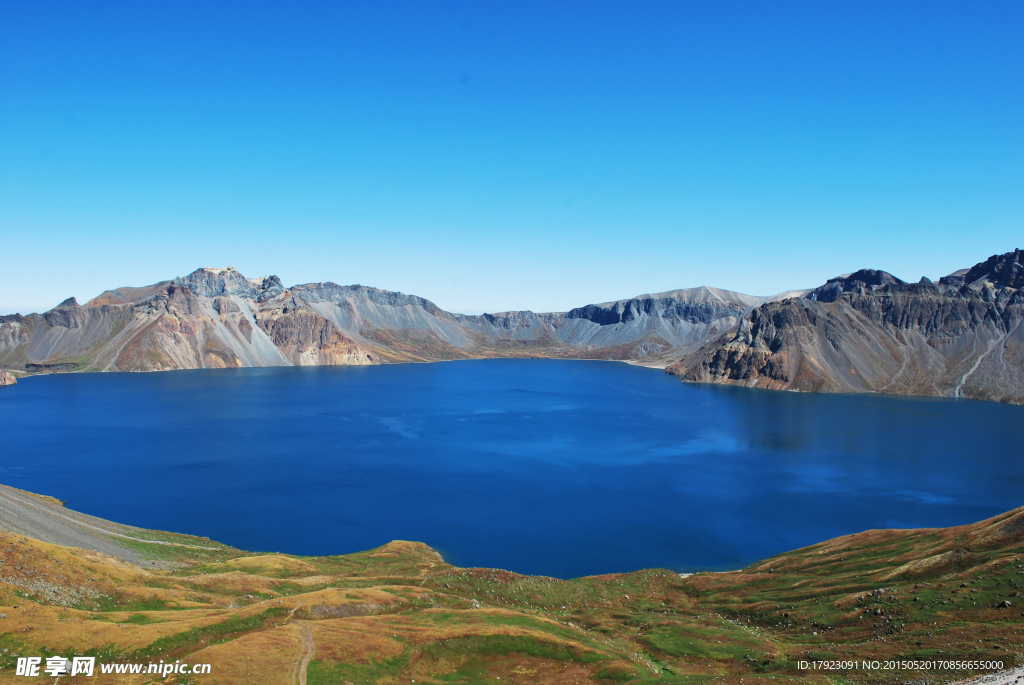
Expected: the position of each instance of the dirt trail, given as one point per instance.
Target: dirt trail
(308, 650)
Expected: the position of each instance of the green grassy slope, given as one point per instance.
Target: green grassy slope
(400, 613)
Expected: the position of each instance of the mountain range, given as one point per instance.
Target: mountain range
(862, 332)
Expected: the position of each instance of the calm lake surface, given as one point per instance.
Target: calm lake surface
(561, 468)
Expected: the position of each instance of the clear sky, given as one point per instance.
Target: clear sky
(492, 156)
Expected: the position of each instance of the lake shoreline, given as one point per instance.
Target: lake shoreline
(477, 460)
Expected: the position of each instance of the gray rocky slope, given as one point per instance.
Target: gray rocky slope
(47, 519)
(863, 332)
(871, 332)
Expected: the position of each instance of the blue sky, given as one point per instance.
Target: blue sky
(492, 156)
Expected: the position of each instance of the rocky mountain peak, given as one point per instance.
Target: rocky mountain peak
(207, 282)
(68, 314)
(955, 279)
(1002, 271)
(269, 287)
(858, 281)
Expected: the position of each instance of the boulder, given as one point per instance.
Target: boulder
(7, 378)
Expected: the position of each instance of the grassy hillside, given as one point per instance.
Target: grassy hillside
(399, 613)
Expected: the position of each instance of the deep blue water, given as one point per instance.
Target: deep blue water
(561, 468)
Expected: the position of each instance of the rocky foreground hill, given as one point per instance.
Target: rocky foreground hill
(871, 332)
(864, 332)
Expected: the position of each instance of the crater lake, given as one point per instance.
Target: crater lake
(561, 468)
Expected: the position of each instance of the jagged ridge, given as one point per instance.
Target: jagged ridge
(219, 318)
(863, 332)
(872, 332)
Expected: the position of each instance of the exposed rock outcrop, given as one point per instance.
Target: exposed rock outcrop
(661, 307)
(872, 332)
(68, 314)
(308, 339)
(7, 378)
(214, 282)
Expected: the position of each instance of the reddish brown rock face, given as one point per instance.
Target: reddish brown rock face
(308, 338)
(245, 328)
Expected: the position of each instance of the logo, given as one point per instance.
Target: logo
(56, 666)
